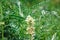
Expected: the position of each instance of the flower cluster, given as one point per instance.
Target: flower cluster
(30, 29)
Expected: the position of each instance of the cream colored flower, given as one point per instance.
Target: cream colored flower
(30, 30)
(30, 20)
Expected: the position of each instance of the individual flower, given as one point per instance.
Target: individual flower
(30, 30)
(30, 20)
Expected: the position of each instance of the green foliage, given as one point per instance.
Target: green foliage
(45, 12)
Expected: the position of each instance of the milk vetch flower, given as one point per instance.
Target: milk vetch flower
(30, 28)
(30, 20)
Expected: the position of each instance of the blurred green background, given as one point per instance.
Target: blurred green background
(14, 12)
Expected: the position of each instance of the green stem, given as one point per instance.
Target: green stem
(2, 33)
(31, 37)
(2, 24)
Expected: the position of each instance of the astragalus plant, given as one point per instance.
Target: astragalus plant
(29, 19)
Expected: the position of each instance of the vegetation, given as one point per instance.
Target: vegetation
(29, 19)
